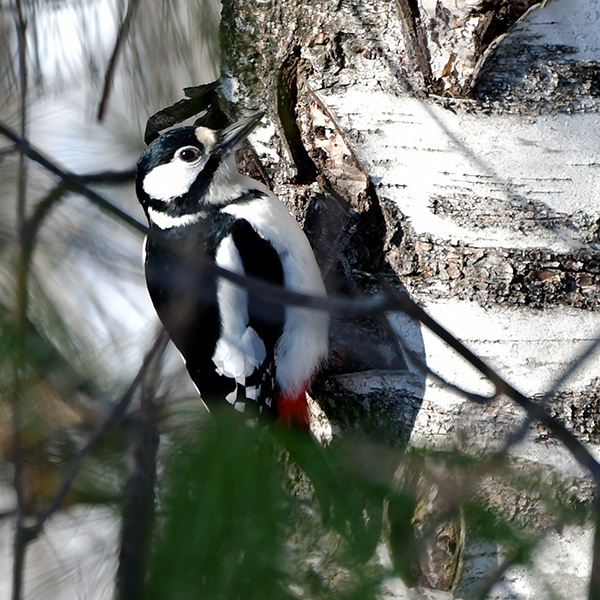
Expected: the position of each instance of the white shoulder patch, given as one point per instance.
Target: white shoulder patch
(303, 344)
(239, 350)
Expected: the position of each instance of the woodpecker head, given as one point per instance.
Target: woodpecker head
(186, 169)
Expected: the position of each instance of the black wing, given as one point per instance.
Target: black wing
(185, 298)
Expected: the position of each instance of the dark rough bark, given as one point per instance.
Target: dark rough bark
(536, 278)
(301, 49)
(415, 33)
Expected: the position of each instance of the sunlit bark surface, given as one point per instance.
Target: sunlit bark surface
(458, 140)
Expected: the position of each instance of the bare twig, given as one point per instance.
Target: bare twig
(21, 26)
(339, 305)
(138, 502)
(420, 364)
(390, 300)
(7, 150)
(520, 434)
(535, 411)
(490, 581)
(73, 182)
(113, 418)
(126, 176)
(112, 64)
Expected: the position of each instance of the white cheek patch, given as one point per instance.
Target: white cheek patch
(174, 179)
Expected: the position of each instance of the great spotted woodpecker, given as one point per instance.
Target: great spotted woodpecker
(257, 355)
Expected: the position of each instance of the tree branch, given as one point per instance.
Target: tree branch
(138, 504)
(112, 63)
(389, 300)
(73, 182)
(113, 418)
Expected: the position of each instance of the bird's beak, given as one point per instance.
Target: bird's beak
(229, 137)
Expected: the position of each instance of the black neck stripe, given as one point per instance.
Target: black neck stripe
(201, 184)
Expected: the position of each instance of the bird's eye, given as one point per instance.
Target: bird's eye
(188, 154)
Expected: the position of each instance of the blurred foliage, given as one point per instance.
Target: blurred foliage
(239, 518)
(236, 514)
(87, 319)
(224, 511)
(57, 401)
(241, 512)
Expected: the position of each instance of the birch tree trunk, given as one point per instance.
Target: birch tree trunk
(449, 149)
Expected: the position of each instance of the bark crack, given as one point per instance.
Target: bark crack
(287, 99)
(416, 38)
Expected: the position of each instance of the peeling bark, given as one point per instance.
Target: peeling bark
(411, 17)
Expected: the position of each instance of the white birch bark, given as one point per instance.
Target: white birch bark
(484, 208)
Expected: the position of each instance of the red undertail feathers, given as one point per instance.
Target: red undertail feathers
(292, 409)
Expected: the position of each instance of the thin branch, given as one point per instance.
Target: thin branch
(139, 497)
(126, 176)
(7, 150)
(427, 370)
(472, 396)
(490, 581)
(112, 64)
(258, 287)
(32, 225)
(520, 434)
(113, 418)
(21, 26)
(42, 208)
(73, 182)
(535, 411)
